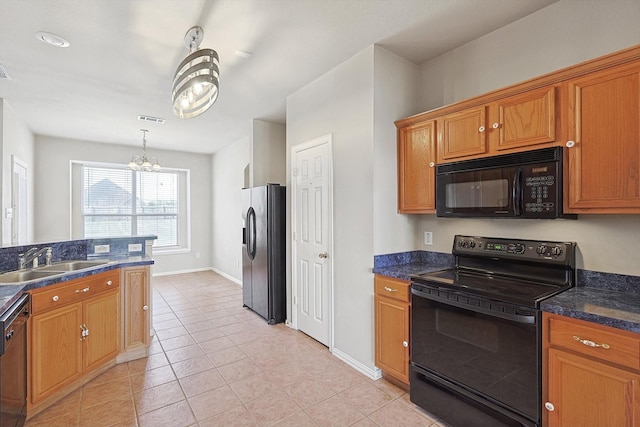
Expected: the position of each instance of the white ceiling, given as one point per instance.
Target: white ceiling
(123, 55)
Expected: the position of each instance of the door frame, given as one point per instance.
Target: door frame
(322, 140)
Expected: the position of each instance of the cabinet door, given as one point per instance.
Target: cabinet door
(590, 393)
(136, 307)
(462, 134)
(56, 350)
(416, 168)
(101, 321)
(524, 120)
(392, 337)
(604, 125)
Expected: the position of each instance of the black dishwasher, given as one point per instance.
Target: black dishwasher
(13, 364)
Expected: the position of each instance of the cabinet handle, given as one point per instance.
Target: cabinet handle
(82, 290)
(481, 129)
(405, 344)
(84, 332)
(590, 343)
(388, 289)
(55, 298)
(570, 144)
(549, 406)
(109, 282)
(145, 307)
(431, 164)
(496, 125)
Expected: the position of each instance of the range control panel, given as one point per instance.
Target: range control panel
(535, 250)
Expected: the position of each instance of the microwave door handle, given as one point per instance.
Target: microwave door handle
(516, 194)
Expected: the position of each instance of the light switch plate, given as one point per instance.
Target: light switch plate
(101, 249)
(428, 238)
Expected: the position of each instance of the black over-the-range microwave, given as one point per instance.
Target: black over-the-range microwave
(519, 185)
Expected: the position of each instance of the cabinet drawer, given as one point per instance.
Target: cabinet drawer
(392, 288)
(65, 293)
(592, 340)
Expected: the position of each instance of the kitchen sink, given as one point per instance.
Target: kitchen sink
(67, 266)
(26, 275)
(56, 269)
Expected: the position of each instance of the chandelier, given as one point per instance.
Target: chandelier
(195, 84)
(144, 163)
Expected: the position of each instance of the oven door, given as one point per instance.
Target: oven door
(473, 358)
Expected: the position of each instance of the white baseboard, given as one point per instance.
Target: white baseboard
(374, 374)
(226, 276)
(171, 273)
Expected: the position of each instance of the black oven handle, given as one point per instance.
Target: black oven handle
(516, 196)
(519, 318)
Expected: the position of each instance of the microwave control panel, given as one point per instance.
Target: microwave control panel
(539, 189)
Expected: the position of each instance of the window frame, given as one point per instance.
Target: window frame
(183, 214)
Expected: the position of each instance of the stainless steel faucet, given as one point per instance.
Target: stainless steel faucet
(32, 255)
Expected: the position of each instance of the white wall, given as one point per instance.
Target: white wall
(227, 167)
(341, 103)
(563, 34)
(268, 153)
(52, 190)
(396, 93)
(15, 140)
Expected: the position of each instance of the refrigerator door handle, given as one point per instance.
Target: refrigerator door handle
(251, 233)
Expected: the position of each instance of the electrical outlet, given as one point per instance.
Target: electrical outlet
(135, 247)
(101, 249)
(428, 238)
(197, 255)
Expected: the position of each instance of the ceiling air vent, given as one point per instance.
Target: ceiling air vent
(152, 119)
(3, 73)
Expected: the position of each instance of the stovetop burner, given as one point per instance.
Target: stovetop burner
(507, 289)
(522, 272)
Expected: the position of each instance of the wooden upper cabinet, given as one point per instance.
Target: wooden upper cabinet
(524, 120)
(416, 168)
(604, 141)
(462, 134)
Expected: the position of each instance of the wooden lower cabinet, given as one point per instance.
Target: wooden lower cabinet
(392, 317)
(136, 303)
(74, 329)
(587, 384)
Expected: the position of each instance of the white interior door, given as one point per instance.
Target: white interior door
(312, 258)
(19, 201)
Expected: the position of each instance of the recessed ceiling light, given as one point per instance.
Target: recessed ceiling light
(242, 54)
(52, 39)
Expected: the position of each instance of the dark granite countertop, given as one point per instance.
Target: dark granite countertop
(618, 309)
(403, 265)
(9, 293)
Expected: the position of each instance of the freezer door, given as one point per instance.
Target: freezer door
(247, 239)
(260, 266)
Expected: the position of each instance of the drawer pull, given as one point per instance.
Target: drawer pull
(589, 343)
(82, 290)
(388, 289)
(109, 282)
(55, 298)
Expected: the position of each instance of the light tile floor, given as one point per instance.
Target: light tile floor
(215, 363)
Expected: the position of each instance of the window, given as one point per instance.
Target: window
(119, 202)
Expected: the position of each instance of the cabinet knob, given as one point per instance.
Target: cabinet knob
(495, 125)
(481, 129)
(55, 298)
(549, 406)
(431, 164)
(405, 344)
(109, 283)
(570, 144)
(145, 307)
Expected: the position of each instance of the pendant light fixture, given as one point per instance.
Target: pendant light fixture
(195, 84)
(144, 163)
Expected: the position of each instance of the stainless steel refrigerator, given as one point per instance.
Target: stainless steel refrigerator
(263, 251)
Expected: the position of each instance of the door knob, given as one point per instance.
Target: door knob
(323, 255)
